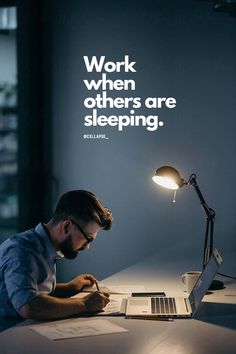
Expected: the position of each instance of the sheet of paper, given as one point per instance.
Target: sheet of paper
(127, 289)
(116, 289)
(76, 328)
(116, 306)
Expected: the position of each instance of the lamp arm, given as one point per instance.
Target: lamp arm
(208, 249)
(209, 211)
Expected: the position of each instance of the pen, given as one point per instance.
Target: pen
(160, 319)
(168, 319)
(163, 319)
(96, 283)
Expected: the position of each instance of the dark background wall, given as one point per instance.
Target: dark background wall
(34, 112)
(182, 49)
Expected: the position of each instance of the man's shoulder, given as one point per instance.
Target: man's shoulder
(27, 240)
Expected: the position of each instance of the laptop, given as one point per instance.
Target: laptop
(177, 307)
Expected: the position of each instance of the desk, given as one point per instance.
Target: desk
(212, 331)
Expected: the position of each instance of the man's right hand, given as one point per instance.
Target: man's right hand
(95, 302)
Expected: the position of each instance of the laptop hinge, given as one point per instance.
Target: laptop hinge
(187, 304)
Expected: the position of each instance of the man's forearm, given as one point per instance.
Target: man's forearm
(63, 290)
(46, 307)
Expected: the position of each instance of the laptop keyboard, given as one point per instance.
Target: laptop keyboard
(163, 305)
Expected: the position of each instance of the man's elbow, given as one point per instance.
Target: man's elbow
(26, 312)
(30, 311)
(39, 308)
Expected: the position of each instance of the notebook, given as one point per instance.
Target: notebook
(151, 307)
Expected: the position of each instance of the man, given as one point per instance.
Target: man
(28, 286)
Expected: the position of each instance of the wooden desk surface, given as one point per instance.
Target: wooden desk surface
(212, 331)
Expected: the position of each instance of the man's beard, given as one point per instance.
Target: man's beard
(67, 249)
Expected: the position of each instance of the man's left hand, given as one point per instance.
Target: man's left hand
(81, 281)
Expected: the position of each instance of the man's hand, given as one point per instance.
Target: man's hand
(95, 302)
(77, 284)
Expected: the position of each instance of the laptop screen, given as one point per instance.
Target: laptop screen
(205, 280)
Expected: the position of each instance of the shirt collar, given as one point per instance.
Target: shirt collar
(60, 255)
(48, 246)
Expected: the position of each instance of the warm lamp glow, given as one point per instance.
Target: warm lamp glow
(165, 182)
(168, 177)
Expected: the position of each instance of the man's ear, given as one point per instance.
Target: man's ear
(66, 224)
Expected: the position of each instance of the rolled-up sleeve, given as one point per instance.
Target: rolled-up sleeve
(20, 276)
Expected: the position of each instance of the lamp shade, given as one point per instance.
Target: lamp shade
(168, 177)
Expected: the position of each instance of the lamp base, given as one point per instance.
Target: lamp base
(217, 285)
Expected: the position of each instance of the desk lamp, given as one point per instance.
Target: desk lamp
(169, 177)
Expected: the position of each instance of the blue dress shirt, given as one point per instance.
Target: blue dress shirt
(27, 269)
